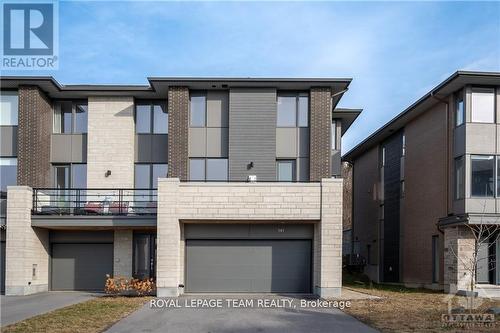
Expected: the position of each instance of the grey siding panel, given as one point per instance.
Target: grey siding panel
(336, 163)
(68, 148)
(151, 148)
(252, 133)
(80, 266)
(248, 266)
(8, 140)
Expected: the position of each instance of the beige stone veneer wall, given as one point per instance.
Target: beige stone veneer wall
(26, 246)
(319, 203)
(111, 140)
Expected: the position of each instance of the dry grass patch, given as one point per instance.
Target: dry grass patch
(408, 310)
(91, 316)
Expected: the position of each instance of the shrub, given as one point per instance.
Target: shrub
(121, 285)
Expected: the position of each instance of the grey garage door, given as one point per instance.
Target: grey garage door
(248, 266)
(80, 266)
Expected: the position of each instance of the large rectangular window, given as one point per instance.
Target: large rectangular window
(198, 110)
(70, 117)
(146, 175)
(151, 117)
(8, 172)
(459, 111)
(483, 105)
(498, 176)
(70, 176)
(459, 178)
(482, 176)
(8, 108)
(208, 169)
(285, 170)
(334, 134)
(293, 110)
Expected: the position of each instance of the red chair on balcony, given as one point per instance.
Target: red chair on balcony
(93, 208)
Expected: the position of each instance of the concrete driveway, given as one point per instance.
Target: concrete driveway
(17, 308)
(288, 319)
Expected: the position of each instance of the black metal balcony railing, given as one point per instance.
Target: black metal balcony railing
(124, 202)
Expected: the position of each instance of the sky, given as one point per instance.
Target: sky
(395, 52)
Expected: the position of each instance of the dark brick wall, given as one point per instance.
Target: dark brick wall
(178, 125)
(34, 130)
(320, 126)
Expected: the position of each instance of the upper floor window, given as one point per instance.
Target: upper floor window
(334, 134)
(146, 175)
(403, 145)
(208, 169)
(293, 110)
(70, 117)
(8, 172)
(459, 178)
(70, 176)
(482, 175)
(483, 105)
(459, 111)
(151, 117)
(8, 108)
(198, 110)
(285, 170)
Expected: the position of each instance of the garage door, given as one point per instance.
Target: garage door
(80, 266)
(248, 266)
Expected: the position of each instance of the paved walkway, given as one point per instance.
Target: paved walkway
(289, 319)
(17, 308)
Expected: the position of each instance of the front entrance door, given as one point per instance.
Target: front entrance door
(144, 256)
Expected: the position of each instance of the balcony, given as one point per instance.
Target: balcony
(94, 202)
(92, 207)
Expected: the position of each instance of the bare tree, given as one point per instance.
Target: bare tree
(485, 235)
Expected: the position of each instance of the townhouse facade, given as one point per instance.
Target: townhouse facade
(422, 178)
(203, 184)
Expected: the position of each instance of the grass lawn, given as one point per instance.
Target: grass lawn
(95, 315)
(407, 310)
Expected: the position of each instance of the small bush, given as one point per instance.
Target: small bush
(121, 285)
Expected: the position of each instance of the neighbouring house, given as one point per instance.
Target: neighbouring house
(421, 177)
(204, 184)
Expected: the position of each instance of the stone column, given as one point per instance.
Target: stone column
(178, 132)
(328, 240)
(27, 248)
(458, 253)
(168, 251)
(122, 253)
(320, 136)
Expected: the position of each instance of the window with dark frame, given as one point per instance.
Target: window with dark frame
(146, 174)
(208, 169)
(482, 175)
(292, 110)
(70, 175)
(459, 111)
(435, 259)
(198, 109)
(70, 117)
(285, 170)
(459, 178)
(151, 117)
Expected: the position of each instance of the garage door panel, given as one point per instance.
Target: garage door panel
(248, 266)
(80, 266)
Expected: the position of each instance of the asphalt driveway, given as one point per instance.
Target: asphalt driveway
(289, 319)
(17, 308)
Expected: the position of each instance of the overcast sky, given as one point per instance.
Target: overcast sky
(395, 52)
